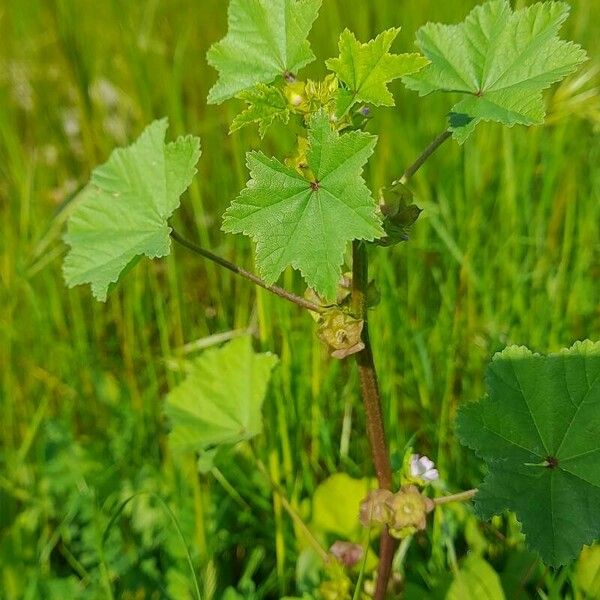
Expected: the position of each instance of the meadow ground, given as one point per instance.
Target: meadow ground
(507, 251)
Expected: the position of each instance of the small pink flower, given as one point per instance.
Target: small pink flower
(423, 468)
(347, 553)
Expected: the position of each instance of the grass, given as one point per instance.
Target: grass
(506, 252)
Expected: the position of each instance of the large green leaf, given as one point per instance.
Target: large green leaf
(220, 400)
(306, 222)
(502, 60)
(538, 430)
(265, 39)
(367, 68)
(123, 212)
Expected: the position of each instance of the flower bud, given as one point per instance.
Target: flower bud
(374, 508)
(347, 553)
(409, 509)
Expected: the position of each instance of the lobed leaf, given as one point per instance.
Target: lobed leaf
(266, 104)
(538, 431)
(367, 68)
(265, 39)
(306, 221)
(500, 60)
(123, 213)
(220, 400)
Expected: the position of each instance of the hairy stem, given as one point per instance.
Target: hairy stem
(370, 388)
(460, 497)
(372, 403)
(437, 142)
(289, 296)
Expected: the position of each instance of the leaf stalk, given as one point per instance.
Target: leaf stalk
(422, 158)
(289, 296)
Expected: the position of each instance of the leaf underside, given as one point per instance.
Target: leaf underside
(265, 39)
(307, 222)
(538, 431)
(123, 212)
(500, 60)
(220, 400)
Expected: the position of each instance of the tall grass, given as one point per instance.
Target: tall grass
(507, 251)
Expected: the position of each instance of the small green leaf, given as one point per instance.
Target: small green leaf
(266, 104)
(476, 580)
(539, 433)
(220, 400)
(367, 68)
(123, 212)
(265, 39)
(502, 60)
(306, 220)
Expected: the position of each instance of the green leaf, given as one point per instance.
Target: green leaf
(123, 212)
(539, 433)
(521, 569)
(266, 104)
(587, 573)
(367, 68)
(265, 39)
(336, 504)
(306, 221)
(476, 580)
(500, 59)
(220, 400)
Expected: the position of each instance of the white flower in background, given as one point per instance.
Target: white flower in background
(423, 468)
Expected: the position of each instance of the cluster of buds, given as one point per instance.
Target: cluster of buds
(404, 512)
(398, 212)
(338, 328)
(308, 97)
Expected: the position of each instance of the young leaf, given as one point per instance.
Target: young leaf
(124, 212)
(221, 398)
(367, 68)
(539, 433)
(266, 103)
(306, 222)
(500, 59)
(265, 39)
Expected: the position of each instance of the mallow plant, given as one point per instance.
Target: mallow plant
(537, 429)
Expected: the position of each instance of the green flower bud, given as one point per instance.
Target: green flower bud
(409, 509)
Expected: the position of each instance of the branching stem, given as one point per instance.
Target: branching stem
(435, 144)
(289, 296)
(370, 388)
(459, 497)
(372, 403)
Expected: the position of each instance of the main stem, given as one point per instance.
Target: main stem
(372, 402)
(368, 381)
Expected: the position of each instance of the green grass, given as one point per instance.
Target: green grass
(506, 251)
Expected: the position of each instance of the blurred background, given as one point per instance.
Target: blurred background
(507, 251)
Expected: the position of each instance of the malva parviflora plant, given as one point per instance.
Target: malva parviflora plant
(538, 428)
